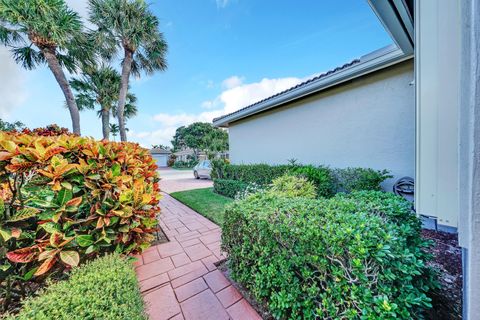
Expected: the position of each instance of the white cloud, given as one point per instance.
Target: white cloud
(222, 3)
(228, 101)
(13, 91)
(232, 82)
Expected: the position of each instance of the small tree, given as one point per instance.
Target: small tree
(201, 136)
(11, 126)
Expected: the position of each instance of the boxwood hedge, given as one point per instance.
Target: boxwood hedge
(105, 288)
(228, 188)
(327, 181)
(356, 256)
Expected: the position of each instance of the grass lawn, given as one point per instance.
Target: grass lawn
(206, 202)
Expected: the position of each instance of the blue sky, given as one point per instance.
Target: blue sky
(223, 55)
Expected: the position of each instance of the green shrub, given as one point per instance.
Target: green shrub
(290, 186)
(105, 288)
(68, 199)
(321, 177)
(327, 181)
(358, 179)
(355, 256)
(260, 174)
(228, 188)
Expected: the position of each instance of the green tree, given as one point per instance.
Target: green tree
(99, 87)
(201, 136)
(11, 126)
(160, 146)
(128, 28)
(45, 31)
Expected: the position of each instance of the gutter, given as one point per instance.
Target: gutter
(369, 63)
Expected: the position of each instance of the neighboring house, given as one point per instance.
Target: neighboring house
(161, 156)
(184, 155)
(413, 108)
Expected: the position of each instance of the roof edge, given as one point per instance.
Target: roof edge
(376, 60)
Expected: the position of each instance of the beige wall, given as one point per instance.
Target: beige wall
(369, 122)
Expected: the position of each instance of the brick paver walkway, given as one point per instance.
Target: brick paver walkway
(179, 280)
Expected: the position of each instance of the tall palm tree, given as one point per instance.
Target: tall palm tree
(45, 31)
(99, 86)
(128, 28)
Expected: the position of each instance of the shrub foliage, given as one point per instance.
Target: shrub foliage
(290, 186)
(106, 288)
(357, 256)
(66, 199)
(228, 188)
(327, 181)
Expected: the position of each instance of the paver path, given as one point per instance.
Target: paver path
(179, 280)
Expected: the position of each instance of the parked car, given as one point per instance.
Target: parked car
(203, 169)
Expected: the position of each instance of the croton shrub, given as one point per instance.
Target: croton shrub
(65, 199)
(353, 256)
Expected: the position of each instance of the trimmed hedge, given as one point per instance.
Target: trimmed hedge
(327, 181)
(228, 188)
(105, 288)
(68, 199)
(357, 256)
(260, 174)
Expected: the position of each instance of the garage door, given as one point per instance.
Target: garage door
(161, 159)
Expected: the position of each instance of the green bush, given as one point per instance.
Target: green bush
(228, 188)
(260, 174)
(321, 177)
(358, 179)
(327, 181)
(290, 186)
(357, 256)
(105, 288)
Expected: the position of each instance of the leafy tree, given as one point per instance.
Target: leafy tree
(46, 31)
(99, 87)
(201, 136)
(128, 28)
(11, 126)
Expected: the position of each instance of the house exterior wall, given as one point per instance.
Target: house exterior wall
(368, 122)
(437, 66)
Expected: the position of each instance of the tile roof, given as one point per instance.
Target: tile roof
(321, 76)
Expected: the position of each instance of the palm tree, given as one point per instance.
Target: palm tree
(45, 31)
(114, 130)
(128, 28)
(99, 86)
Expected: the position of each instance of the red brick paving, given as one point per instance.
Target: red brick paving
(179, 280)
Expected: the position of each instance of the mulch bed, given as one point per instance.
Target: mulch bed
(447, 259)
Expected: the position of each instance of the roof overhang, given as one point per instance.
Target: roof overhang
(397, 18)
(369, 63)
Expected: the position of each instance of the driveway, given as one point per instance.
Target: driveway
(179, 180)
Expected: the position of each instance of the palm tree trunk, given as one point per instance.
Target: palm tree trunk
(106, 123)
(126, 68)
(57, 71)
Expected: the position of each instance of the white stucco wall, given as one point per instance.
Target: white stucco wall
(369, 122)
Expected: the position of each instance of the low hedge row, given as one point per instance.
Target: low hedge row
(327, 181)
(105, 288)
(228, 188)
(354, 256)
